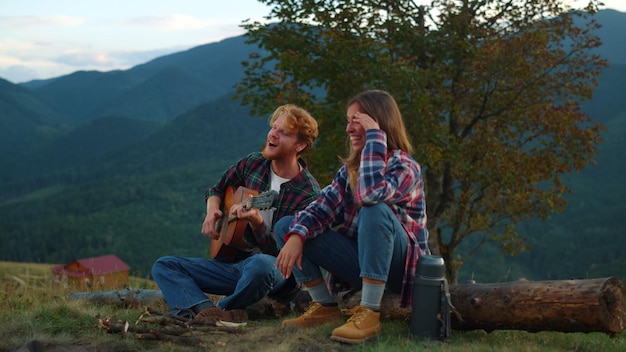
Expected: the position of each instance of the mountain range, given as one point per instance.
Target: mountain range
(117, 162)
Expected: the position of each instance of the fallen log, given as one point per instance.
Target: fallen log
(585, 305)
(125, 298)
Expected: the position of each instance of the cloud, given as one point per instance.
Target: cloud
(85, 58)
(111, 60)
(18, 73)
(14, 22)
(169, 23)
(16, 46)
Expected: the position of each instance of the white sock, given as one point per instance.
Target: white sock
(319, 293)
(372, 295)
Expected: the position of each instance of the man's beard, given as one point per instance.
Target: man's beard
(269, 156)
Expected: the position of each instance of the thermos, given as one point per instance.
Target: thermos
(430, 312)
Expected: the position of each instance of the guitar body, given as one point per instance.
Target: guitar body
(235, 228)
(231, 241)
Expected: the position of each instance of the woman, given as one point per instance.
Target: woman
(366, 229)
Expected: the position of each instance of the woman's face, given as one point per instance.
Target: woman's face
(355, 130)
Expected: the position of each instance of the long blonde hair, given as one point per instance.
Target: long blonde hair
(382, 107)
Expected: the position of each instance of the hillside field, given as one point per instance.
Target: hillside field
(34, 313)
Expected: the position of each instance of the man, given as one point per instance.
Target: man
(251, 273)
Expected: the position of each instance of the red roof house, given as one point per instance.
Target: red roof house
(93, 274)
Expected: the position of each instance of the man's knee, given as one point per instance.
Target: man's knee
(160, 264)
(280, 229)
(260, 265)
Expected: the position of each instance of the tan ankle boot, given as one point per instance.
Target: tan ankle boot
(363, 324)
(315, 314)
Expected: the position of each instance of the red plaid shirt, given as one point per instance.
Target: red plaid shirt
(253, 172)
(392, 177)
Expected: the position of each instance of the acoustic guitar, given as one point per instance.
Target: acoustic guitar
(231, 229)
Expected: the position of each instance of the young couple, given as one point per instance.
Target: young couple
(366, 229)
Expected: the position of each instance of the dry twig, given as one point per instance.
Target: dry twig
(156, 325)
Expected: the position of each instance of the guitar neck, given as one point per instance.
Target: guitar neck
(247, 204)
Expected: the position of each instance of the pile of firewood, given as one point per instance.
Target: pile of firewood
(156, 325)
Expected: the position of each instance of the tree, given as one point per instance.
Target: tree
(491, 92)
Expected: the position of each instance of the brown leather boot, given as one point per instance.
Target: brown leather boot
(216, 314)
(363, 324)
(315, 314)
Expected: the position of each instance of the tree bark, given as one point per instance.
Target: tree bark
(585, 305)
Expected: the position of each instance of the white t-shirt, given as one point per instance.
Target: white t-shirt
(275, 182)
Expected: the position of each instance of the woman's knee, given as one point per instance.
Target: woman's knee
(374, 214)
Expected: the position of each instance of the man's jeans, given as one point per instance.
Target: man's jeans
(379, 253)
(184, 281)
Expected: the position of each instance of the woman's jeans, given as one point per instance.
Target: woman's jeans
(378, 254)
(184, 281)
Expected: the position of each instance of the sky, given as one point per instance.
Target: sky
(41, 39)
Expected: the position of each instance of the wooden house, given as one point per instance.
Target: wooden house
(92, 274)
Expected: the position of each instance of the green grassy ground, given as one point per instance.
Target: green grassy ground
(32, 309)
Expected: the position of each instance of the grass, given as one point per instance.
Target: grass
(31, 308)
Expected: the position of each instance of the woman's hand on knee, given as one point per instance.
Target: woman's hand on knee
(290, 255)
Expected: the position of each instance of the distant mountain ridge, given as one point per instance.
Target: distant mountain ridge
(184, 80)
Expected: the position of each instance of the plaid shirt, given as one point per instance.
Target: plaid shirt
(392, 177)
(253, 172)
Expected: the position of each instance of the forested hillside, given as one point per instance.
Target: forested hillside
(21, 113)
(117, 162)
(139, 202)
